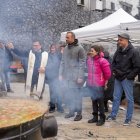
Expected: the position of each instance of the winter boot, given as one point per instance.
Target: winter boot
(52, 108)
(102, 120)
(69, 115)
(94, 119)
(78, 117)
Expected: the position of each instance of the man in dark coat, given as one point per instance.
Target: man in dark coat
(72, 73)
(125, 67)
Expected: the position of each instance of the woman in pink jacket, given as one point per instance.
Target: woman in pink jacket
(98, 74)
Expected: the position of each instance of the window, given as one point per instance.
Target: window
(96, 5)
(112, 6)
(80, 2)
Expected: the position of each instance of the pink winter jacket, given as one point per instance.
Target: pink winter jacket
(98, 71)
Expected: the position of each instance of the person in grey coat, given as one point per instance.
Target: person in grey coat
(71, 73)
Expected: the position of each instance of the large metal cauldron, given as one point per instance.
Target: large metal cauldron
(22, 120)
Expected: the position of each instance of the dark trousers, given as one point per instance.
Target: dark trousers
(97, 97)
(98, 106)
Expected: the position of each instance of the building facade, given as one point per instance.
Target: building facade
(23, 21)
(130, 6)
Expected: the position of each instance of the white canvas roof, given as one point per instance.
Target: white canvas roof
(133, 29)
(106, 28)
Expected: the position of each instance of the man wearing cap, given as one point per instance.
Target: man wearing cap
(125, 67)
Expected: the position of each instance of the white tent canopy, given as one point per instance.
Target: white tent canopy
(106, 28)
(133, 29)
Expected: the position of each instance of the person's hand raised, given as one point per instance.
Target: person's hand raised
(10, 45)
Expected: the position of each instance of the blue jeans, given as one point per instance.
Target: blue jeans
(119, 86)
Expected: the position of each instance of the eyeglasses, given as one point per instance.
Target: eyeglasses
(35, 45)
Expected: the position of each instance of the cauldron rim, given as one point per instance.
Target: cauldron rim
(26, 120)
(23, 129)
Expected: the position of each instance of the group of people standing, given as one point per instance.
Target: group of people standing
(65, 73)
(124, 68)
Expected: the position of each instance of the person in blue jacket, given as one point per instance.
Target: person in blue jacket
(52, 74)
(6, 59)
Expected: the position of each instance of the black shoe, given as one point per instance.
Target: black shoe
(110, 118)
(69, 115)
(40, 98)
(52, 107)
(10, 90)
(78, 117)
(127, 122)
(93, 120)
(138, 125)
(100, 122)
(51, 110)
